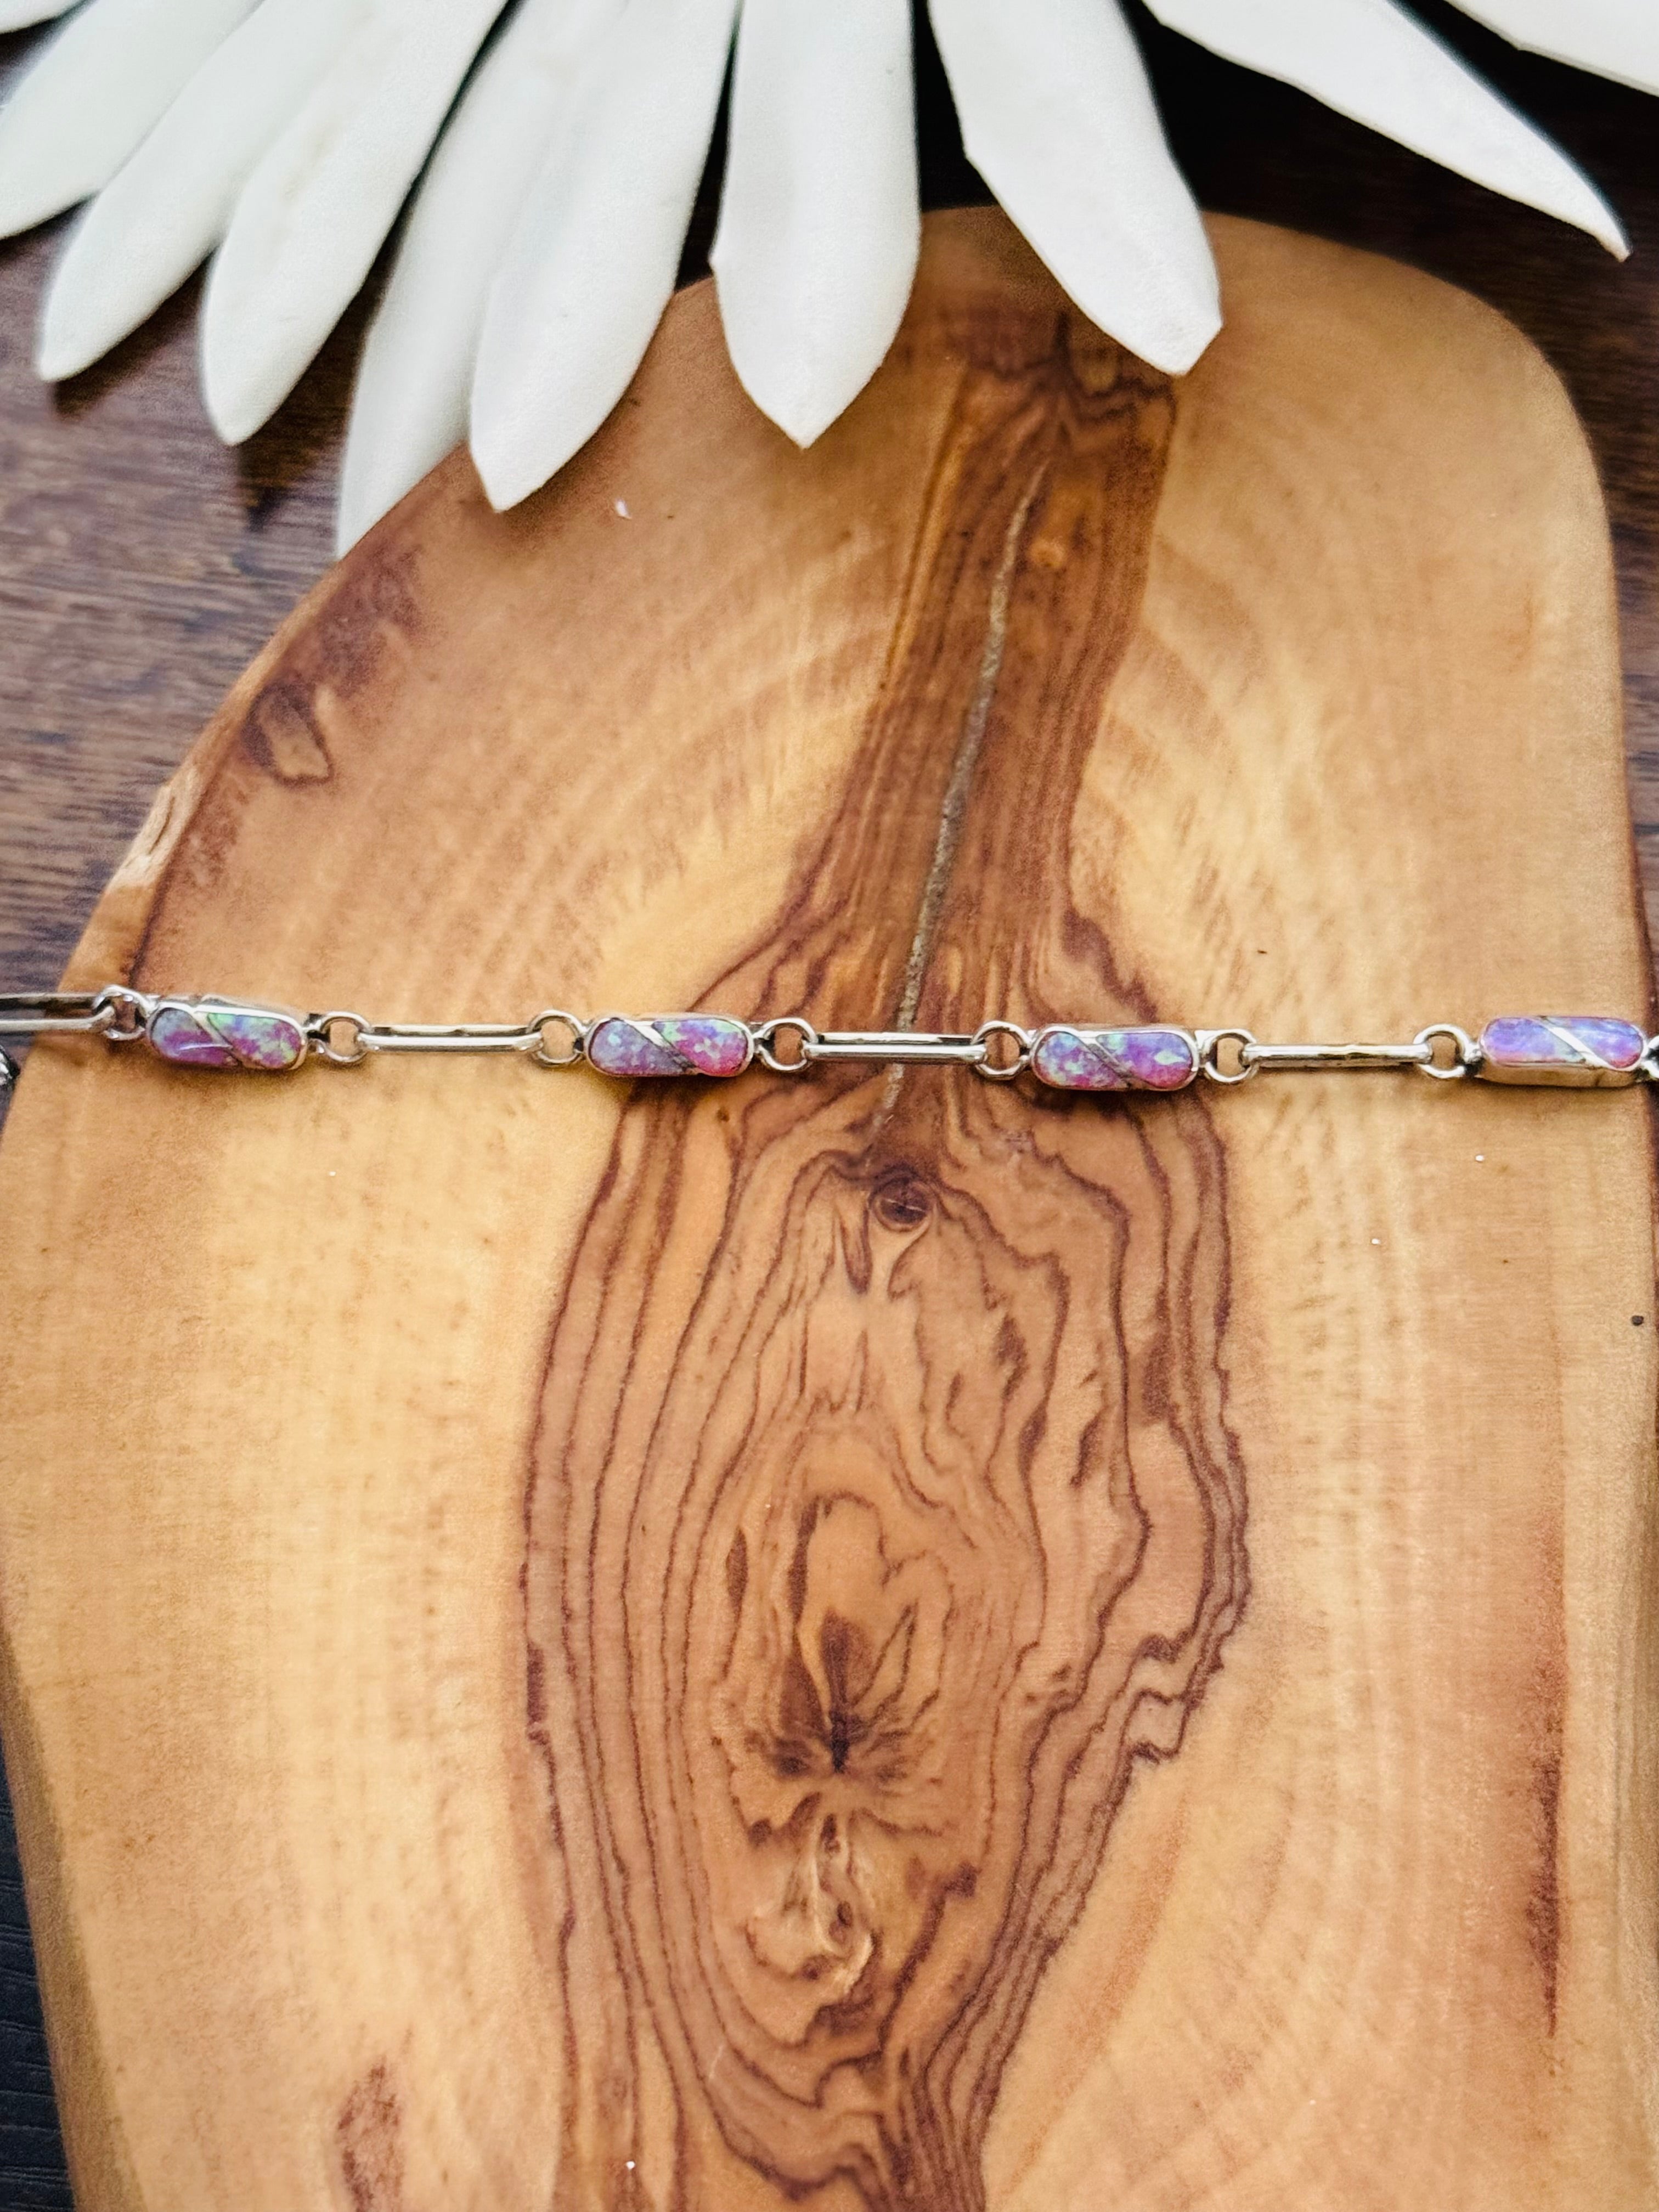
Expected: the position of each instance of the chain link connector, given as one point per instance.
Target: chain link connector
(129, 1012)
(320, 1038)
(1465, 1053)
(1002, 1071)
(766, 1037)
(1209, 1041)
(556, 1018)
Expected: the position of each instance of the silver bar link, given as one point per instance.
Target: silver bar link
(40, 1013)
(1313, 1059)
(115, 1013)
(896, 1048)
(454, 1036)
(1424, 1054)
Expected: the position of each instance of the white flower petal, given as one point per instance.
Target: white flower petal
(1369, 60)
(1618, 38)
(820, 221)
(164, 211)
(592, 260)
(23, 14)
(85, 104)
(1058, 118)
(410, 406)
(317, 209)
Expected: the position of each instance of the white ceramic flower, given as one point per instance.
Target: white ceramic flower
(282, 138)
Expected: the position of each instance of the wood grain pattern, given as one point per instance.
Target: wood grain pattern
(567, 1650)
(142, 565)
(872, 1546)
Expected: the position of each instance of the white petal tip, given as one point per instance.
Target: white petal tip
(1174, 343)
(802, 423)
(516, 456)
(54, 365)
(238, 400)
(1583, 206)
(233, 422)
(1189, 347)
(70, 339)
(54, 359)
(507, 479)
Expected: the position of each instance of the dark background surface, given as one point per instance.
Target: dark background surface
(142, 564)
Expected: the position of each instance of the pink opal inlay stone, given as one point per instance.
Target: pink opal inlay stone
(669, 1044)
(1114, 1060)
(199, 1034)
(1585, 1049)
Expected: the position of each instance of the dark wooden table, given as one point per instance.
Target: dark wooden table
(142, 565)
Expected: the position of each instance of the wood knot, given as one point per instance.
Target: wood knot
(280, 735)
(901, 1200)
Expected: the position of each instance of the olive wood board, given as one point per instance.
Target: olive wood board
(874, 1642)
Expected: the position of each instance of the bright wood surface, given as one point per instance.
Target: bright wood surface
(861, 1643)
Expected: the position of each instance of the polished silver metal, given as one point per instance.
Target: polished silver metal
(995, 1071)
(1209, 1044)
(114, 1013)
(42, 1013)
(765, 1035)
(555, 1017)
(448, 1037)
(1465, 1052)
(1647, 1068)
(1316, 1059)
(129, 1011)
(319, 1038)
(896, 1048)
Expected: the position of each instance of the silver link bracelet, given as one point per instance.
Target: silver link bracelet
(1578, 1051)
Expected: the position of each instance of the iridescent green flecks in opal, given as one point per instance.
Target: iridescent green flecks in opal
(669, 1044)
(196, 1033)
(1114, 1060)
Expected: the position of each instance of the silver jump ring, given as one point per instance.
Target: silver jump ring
(319, 1035)
(1209, 1042)
(1467, 1052)
(539, 1028)
(766, 1034)
(128, 1011)
(1002, 1071)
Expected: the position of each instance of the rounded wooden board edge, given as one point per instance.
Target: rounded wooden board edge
(1363, 1120)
